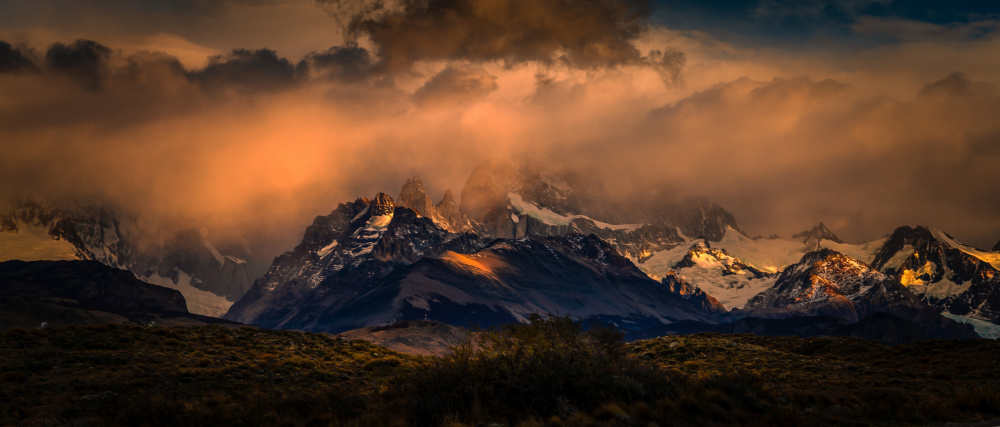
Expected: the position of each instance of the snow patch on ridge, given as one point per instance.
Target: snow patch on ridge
(657, 265)
(899, 257)
(993, 258)
(325, 250)
(215, 252)
(547, 216)
(198, 301)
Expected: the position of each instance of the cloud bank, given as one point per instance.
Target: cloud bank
(895, 134)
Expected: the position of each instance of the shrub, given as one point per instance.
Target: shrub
(537, 369)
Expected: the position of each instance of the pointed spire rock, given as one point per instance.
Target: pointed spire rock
(447, 200)
(413, 196)
(996, 247)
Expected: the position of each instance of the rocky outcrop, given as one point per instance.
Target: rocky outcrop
(828, 283)
(948, 275)
(692, 293)
(446, 214)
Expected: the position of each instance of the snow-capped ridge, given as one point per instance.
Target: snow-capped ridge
(826, 282)
(947, 274)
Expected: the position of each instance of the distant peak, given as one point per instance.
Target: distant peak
(415, 181)
(819, 232)
(448, 199)
(996, 247)
(413, 196)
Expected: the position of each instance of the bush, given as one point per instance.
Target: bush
(548, 367)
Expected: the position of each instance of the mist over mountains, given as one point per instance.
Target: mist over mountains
(601, 141)
(523, 241)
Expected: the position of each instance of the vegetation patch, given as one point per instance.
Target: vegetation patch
(550, 372)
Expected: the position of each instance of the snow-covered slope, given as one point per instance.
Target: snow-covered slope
(737, 267)
(714, 271)
(773, 255)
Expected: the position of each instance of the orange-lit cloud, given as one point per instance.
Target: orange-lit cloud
(252, 141)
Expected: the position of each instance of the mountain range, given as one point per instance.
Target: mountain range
(211, 277)
(521, 241)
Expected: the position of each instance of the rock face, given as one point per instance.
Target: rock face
(951, 277)
(185, 259)
(446, 214)
(340, 255)
(414, 196)
(361, 266)
(692, 293)
(828, 283)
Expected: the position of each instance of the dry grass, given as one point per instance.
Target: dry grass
(548, 374)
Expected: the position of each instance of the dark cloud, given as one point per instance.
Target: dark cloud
(815, 9)
(247, 70)
(85, 61)
(955, 84)
(910, 30)
(15, 59)
(343, 63)
(810, 150)
(669, 63)
(456, 86)
(579, 33)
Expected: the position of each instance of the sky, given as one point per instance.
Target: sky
(254, 116)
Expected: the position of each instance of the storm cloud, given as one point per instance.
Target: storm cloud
(576, 33)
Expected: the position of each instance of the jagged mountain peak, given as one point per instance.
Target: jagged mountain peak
(952, 277)
(413, 196)
(826, 282)
(996, 247)
(447, 200)
(382, 204)
(818, 232)
(906, 241)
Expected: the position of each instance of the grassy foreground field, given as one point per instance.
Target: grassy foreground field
(547, 373)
